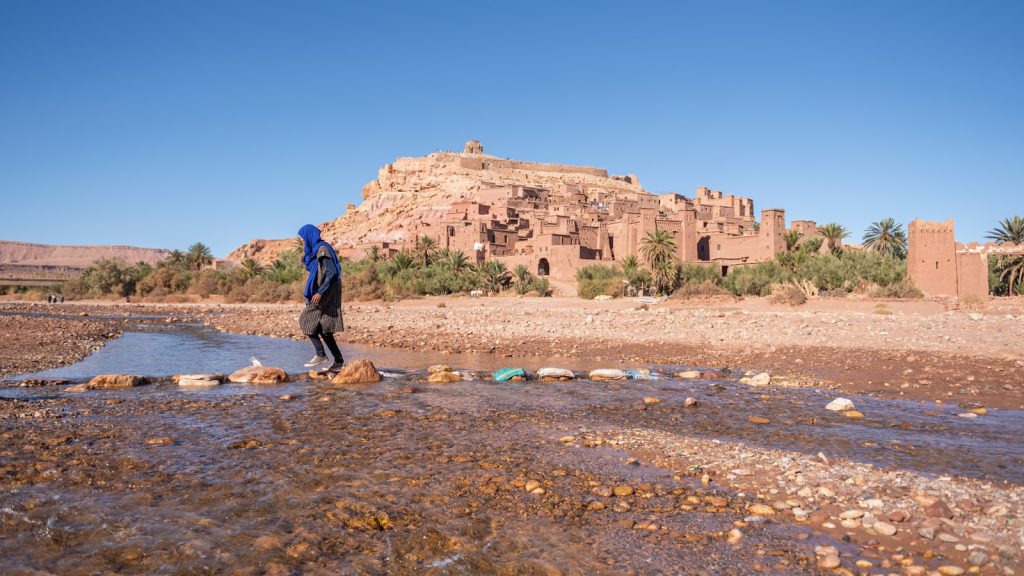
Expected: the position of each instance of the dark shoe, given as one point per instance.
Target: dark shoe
(316, 361)
(336, 367)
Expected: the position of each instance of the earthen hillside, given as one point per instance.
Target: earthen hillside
(13, 254)
(412, 191)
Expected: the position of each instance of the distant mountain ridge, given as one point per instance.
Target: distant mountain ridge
(27, 254)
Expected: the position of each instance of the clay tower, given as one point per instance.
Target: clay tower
(473, 147)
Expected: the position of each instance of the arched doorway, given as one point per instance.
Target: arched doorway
(543, 268)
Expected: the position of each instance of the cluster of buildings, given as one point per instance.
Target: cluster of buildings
(555, 231)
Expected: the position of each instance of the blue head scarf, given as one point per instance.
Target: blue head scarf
(311, 244)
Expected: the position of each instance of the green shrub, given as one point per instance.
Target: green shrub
(902, 289)
(756, 279)
(700, 274)
(597, 280)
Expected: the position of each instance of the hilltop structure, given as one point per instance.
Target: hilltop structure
(553, 218)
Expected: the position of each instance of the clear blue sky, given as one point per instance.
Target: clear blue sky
(161, 123)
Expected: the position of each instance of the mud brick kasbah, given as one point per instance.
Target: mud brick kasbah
(556, 219)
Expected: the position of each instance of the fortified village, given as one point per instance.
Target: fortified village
(556, 219)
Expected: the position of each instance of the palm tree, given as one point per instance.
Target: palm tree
(199, 255)
(455, 259)
(1009, 231)
(426, 247)
(1010, 266)
(374, 253)
(402, 261)
(251, 268)
(792, 237)
(496, 274)
(524, 280)
(811, 245)
(833, 233)
(175, 258)
(630, 268)
(886, 236)
(659, 246)
(666, 275)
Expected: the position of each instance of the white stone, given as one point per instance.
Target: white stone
(840, 405)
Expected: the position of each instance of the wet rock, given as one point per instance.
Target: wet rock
(602, 491)
(977, 558)
(938, 509)
(840, 405)
(602, 374)
(162, 441)
(734, 536)
(105, 381)
(761, 509)
(198, 380)
(829, 561)
(926, 532)
(531, 485)
(853, 414)
(596, 505)
(950, 570)
(690, 402)
(357, 372)
(884, 528)
(555, 374)
(438, 368)
(651, 400)
(623, 491)
(851, 514)
(762, 379)
(758, 420)
(444, 377)
(688, 374)
(258, 375)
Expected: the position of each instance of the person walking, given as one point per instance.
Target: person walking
(321, 317)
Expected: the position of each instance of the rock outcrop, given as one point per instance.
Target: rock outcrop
(422, 189)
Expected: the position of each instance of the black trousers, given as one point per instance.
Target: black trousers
(328, 339)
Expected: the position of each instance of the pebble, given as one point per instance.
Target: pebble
(758, 420)
(734, 536)
(950, 570)
(853, 414)
(884, 528)
(851, 514)
(761, 509)
(977, 558)
(690, 402)
(623, 491)
(162, 441)
(829, 562)
(651, 400)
